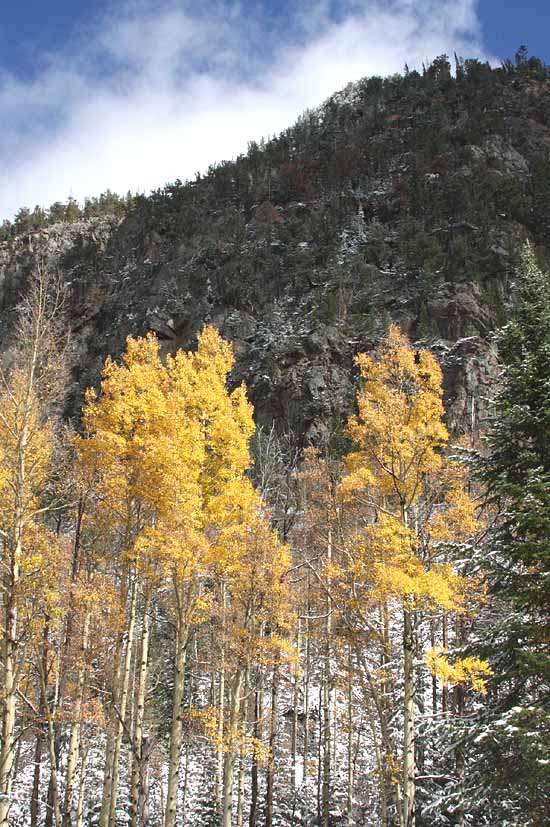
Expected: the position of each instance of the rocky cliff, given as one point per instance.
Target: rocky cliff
(402, 199)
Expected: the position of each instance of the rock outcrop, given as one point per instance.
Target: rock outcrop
(402, 200)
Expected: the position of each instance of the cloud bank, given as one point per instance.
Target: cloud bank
(155, 91)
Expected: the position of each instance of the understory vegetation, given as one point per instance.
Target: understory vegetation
(202, 625)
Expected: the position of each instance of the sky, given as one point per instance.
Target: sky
(131, 94)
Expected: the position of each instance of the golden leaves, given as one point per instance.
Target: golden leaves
(414, 498)
(398, 429)
(168, 446)
(26, 447)
(388, 563)
(252, 563)
(470, 671)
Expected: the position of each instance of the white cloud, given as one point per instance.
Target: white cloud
(156, 91)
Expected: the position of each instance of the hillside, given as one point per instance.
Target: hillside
(403, 199)
(205, 624)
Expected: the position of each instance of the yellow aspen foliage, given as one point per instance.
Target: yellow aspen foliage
(20, 411)
(42, 589)
(390, 564)
(141, 443)
(167, 447)
(253, 568)
(417, 497)
(453, 514)
(252, 563)
(171, 438)
(27, 444)
(398, 430)
(415, 502)
(470, 671)
(227, 426)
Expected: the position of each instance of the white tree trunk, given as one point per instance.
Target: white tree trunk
(74, 739)
(408, 723)
(138, 756)
(351, 759)
(10, 643)
(327, 700)
(35, 324)
(82, 786)
(176, 730)
(7, 752)
(230, 750)
(121, 716)
(120, 693)
(218, 792)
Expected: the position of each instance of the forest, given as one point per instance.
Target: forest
(275, 477)
(203, 624)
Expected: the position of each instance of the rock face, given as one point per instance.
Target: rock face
(496, 154)
(402, 200)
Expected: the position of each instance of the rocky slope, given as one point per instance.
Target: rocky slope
(405, 199)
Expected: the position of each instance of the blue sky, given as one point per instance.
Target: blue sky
(130, 94)
(34, 27)
(508, 24)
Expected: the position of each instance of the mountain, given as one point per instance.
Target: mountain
(405, 198)
(152, 616)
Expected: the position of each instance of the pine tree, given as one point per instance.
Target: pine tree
(517, 474)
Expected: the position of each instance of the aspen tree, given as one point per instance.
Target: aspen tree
(75, 731)
(349, 727)
(224, 427)
(218, 791)
(295, 701)
(28, 394)
(68, 659)
(120, 428)
(272, 740)
(320, 540)
(253, 565)
(258, 709)
(400, 437)
(306, 683)
(91, 629)
(138, 763)
(169, 444)
(81, 784)
(330, 515)
(129, 447)
(43, 605)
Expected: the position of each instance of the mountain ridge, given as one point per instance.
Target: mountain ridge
(404, 199)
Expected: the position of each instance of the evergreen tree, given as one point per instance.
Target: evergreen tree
(514, 740)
